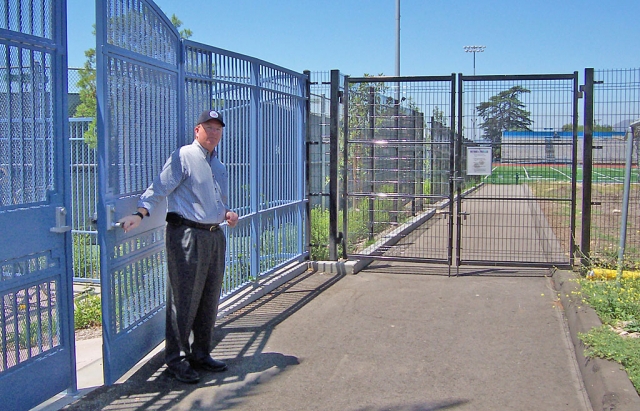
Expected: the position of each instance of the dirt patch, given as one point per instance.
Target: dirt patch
(88, 333)
(606, 217)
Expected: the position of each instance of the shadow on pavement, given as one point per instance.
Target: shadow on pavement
(241, 338)
(432, 406)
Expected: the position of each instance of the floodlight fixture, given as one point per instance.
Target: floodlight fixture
(474, 50)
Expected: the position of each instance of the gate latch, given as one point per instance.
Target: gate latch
(463, 214)
(61, 220)
(111, 216)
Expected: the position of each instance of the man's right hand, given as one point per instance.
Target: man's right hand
(130, 222)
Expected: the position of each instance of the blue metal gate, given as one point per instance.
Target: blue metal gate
(151, 86)
(37, 354)
(139, 125)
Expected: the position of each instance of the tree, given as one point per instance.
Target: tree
(504, 112)
(596, 127)
(87, 86)
(184, 33)
(87, 91)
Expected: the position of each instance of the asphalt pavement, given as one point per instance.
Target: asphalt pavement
(395, 337)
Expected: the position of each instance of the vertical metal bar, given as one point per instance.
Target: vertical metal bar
(333, 167)
(454, 167)
(372, 155)
(587, 166)
(254, 113)
(307, 160)
(415, 173)
(574, 170)
(625, 202)
(65, 288)
(345, 158)
(396, 133)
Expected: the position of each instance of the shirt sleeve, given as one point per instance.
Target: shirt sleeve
(169, 178)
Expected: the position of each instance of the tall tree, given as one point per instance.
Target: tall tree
(504, 112)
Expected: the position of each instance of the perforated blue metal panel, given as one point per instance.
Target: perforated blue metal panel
(138, 126)
(151, 88)
(263, 147)
(37, 354)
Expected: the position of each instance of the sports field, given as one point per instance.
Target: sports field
(518, 174)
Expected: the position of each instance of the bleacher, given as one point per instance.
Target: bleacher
(556, 147)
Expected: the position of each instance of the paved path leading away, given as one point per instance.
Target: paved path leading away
(384, 339)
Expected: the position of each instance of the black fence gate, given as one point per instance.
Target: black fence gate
(493, 185)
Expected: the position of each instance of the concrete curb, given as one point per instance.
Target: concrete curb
(606, 382)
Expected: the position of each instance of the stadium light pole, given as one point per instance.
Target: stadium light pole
(474, 50)
(397, 38)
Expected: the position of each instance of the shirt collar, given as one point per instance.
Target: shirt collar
(205, 151)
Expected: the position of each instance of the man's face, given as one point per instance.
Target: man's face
(209, 134)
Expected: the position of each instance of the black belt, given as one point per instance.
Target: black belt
(177, 219)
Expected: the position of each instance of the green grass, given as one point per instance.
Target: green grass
(617, 304)
(528, 173)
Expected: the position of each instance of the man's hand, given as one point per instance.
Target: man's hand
(131, 221)
(232, 218)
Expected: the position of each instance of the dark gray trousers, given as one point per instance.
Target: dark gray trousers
(195, 261)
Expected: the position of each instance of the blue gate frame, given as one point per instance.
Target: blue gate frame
(138, 92)
(151, 86)
(37, 348)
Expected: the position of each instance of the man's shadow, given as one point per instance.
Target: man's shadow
(240, 339)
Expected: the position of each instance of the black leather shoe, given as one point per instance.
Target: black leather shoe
(209, 364)
(184, 373)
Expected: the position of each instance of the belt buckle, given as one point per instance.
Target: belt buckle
(213, 228)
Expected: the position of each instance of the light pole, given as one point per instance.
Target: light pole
(474, 50)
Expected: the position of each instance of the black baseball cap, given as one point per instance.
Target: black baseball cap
(210, 115)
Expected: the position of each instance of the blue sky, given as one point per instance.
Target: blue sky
(359, 36)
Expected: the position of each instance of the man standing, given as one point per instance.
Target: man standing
(194, 182)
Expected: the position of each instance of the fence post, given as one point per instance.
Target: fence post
(574, 170)
(307, 160)
(333, 166)
(587, 164)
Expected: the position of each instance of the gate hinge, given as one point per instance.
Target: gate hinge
(596, 203)
(597, 147)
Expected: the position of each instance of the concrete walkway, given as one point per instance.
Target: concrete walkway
(400, 336)
(389, 338)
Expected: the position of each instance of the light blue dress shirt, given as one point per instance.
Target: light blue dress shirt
(195, 184)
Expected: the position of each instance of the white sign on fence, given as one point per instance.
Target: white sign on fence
(478, 161)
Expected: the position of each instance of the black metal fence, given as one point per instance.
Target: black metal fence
(612, 115)
(595, 140)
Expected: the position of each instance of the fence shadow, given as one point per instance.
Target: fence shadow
(241, 338)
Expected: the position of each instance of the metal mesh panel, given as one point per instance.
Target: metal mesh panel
(28, 17)
(319, 139)
(263, 150)
(84, 198)
(521, 212)
(616, 107)
(136, 26)
(29, 324)
(397, 164)
(280, 159)
(321, 163)
(138, 87)
(138, 289)
(26, 126)
(146, 102)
